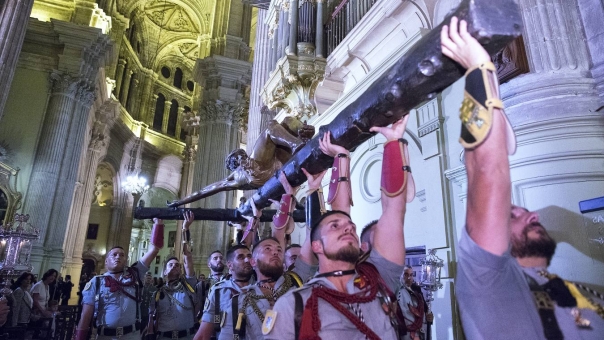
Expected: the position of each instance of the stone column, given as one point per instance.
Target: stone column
(80, 212)
(126, 85)
(54, 172)
(293, 28)
(119, 74)
(14, 15)
(132, 100)
(152, 104)
(181, 109)
(190, 123)
(218, 136)
(257, 121)
(146, 98)
(164, 124)
(593, 14)
(319, 31)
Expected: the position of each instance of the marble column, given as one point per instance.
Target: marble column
(14, 15)
(146, 98)
(559, 83)
(181, 109)
(257, 121)
(126, 85)
(164, 124)
(319, 31)
(218, 136)
(190, 124)
(293, 28)
(119, 74)
(78, 221)
(132, 100)
(592, 13)
(54, 172)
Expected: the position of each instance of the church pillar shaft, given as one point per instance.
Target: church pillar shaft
(119, 74)
(125, 86)
(293, 28)
(164, 124)
(553, 37)
(13, 23)
(257, 121)
(319, 30)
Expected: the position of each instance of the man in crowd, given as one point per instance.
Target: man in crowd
(291, 254)
(413, 306)
(113, 298)
(147, 295)
(216, 268)
(218, 303)
(173, 308)
(346, 299)
(502, 297)
(66, 288)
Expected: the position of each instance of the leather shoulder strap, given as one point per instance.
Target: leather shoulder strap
(299, 308)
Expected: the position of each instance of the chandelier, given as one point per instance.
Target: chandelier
(135, 185)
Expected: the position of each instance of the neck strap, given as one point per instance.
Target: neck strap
(336, 273)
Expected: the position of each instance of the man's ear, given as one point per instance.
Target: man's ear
(253, 262)
(316, 246)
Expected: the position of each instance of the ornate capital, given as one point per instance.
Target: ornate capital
(220, 112)
(190, 122)
(63, 84)
(293, 87)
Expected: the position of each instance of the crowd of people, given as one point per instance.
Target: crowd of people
(336, 285)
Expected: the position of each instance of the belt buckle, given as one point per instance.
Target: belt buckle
(235, 336)
(119, 331)
(175, 335)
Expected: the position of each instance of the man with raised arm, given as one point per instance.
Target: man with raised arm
(347, 299)
(172, 309)
(501, 297)
(111, 302)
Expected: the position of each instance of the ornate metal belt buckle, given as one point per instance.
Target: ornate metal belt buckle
(119, 331)
(174, 334)
(235, 336)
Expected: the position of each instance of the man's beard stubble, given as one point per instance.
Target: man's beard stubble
(269, 270)
(348, 254)
(524, 246)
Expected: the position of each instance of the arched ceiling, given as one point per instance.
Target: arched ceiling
(169, 28)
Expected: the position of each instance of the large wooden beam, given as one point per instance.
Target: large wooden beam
(232, 215)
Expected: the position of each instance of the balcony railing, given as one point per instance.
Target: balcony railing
(343, 19)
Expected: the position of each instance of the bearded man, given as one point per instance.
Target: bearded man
(218, 304)
(173, 308)
(504, 295)
(347, 299)
(413, 306)
(216, 269)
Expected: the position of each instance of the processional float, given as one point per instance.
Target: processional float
(417, 77)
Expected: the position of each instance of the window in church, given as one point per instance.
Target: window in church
(158, 118)
(165, 72)
(190, 85)
(172, 119)
(178, 78)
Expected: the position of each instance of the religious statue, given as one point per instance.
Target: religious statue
(274, 147)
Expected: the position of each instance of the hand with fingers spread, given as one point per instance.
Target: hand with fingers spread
(457, 44)
(314, 181)
(330, 149)
(393, 132)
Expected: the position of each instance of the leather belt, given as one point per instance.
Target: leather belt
(178, 334)
(119, 331)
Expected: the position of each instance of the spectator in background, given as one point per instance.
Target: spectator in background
(65, 289)
(22, 302)
(41, 293)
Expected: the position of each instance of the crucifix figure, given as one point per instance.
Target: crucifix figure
(273, 148)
